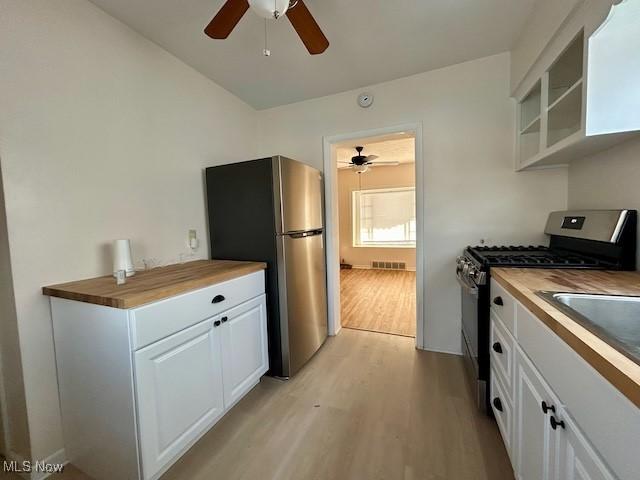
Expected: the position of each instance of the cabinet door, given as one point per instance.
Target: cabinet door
(577, 459)
(179, 393)
(244, 348)
(534, 445)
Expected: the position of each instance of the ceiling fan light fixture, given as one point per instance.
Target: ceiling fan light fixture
(272, 9)
(232, 11)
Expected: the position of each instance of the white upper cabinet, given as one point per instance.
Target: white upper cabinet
(588, 97)
(614, 72)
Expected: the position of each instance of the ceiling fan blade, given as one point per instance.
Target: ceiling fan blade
(386, 163)
(307, 28)
(227, 18)
(371, 157)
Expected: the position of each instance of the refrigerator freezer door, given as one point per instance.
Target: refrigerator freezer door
(303, 298)
(299, 188)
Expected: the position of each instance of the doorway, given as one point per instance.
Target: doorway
(374, 231)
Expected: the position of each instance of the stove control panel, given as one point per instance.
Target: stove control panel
(466, 269)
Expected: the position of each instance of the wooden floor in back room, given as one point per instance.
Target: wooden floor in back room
(381, 301)
(367, 406)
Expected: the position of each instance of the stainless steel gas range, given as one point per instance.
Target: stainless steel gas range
(589, 239)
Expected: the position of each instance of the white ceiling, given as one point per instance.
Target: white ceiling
(372, 41)
(396, 148)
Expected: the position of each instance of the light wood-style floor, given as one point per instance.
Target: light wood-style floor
(379, 301)
(366, 407)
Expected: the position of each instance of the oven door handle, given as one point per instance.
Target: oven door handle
(470, 289)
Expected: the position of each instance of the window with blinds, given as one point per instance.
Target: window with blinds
(384, 217)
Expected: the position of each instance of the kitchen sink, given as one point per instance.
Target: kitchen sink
(615, 319)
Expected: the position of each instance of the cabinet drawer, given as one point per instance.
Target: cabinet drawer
(502, 347)
(607, 418)
(154, 321)
(503, 305)
(503, 410)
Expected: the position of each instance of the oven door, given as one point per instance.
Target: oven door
(470, 299)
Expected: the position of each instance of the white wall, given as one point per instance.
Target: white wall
(472, 191)
(102, 135)
(609, 179)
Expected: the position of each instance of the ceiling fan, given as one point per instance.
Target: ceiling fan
(296, 11)
(361, 163)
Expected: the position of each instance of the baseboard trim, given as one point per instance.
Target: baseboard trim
(55, 458)
(369, 267)
(436, 350)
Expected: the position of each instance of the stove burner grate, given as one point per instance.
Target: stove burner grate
(532, 256)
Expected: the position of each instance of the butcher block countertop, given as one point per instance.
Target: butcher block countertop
(153, 285)
(523, 283)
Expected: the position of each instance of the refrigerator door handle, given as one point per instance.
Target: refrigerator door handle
(309, 233)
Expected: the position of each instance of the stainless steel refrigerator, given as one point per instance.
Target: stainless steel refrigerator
(271, 210)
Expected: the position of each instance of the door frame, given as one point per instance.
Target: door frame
(332, 222)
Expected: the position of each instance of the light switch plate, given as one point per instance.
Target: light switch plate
(193, 239)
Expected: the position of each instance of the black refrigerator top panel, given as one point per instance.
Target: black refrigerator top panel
(242, 226)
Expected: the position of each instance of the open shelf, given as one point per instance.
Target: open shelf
(567, 70)
(534, 126)
(587, 89)
(531, 107)
(529, 128)
(529, 143)
(565, 95)
(565, 116)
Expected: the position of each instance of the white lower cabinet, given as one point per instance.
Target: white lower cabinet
(503, 411)
(153, 379)
(244, 348)
(179, 393)
(578, 460)
(534, 445)
(185, 382)
(541, 435)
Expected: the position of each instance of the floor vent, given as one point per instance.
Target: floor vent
(389, 265)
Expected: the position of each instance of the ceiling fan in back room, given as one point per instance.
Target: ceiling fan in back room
(296, 11)
(361, 163)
